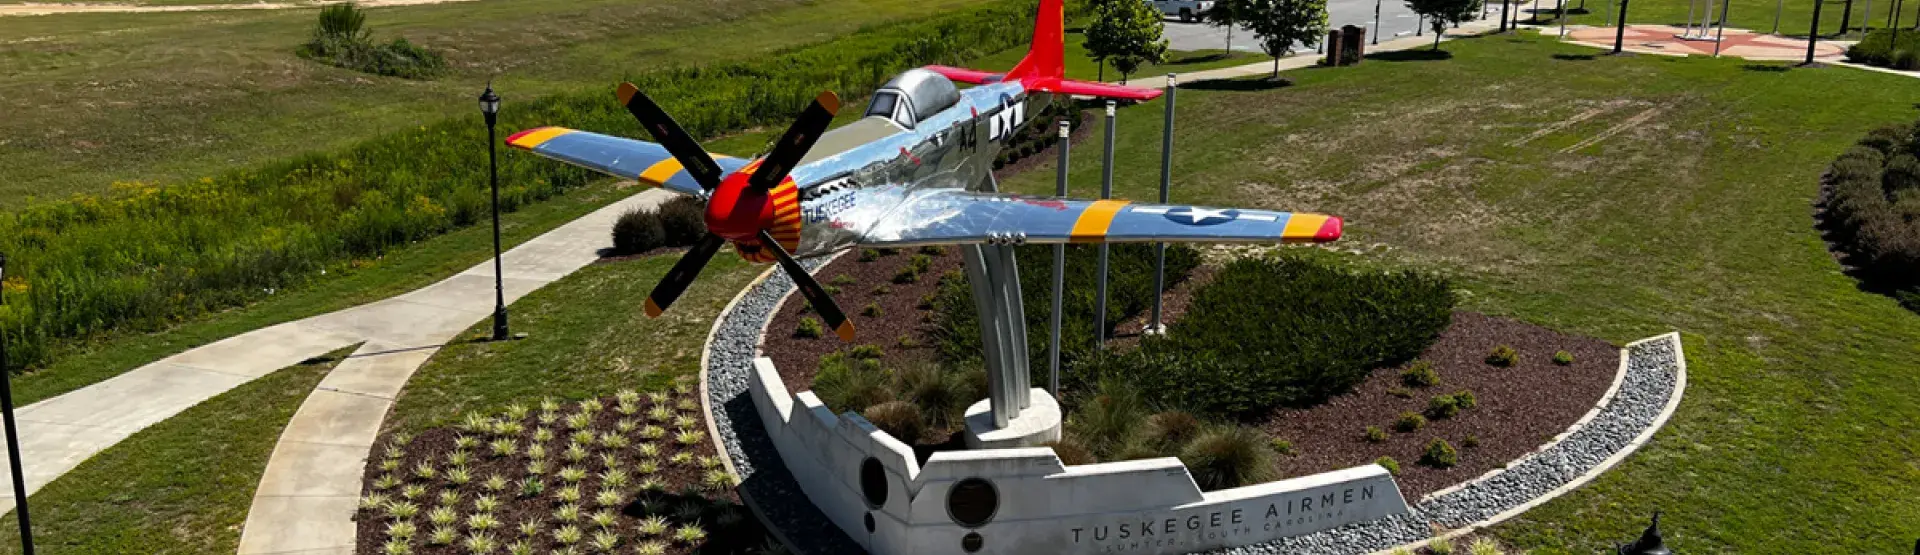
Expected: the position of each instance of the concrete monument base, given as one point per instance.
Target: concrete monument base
(1036, 424)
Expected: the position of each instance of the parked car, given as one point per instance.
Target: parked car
(1188, 10)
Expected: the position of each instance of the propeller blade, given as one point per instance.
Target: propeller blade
(815, 294)
(682, 274)
(668, 133)
(799, 139)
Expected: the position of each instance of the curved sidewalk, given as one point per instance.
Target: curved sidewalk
(335, 426)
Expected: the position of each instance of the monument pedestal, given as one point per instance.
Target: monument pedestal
(1038, 423)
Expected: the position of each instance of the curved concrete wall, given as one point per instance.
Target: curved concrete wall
(870, 486)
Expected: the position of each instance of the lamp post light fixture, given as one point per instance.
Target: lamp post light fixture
(13, 436)
(490, 107)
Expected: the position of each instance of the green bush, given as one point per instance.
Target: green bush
(872, 310)
(1471, 441)
(1442, 406)
(637, 231)
(1420, 374)
(684, 219)
(1873, 208)
(906, 276)
(900, 419)
(1465, 399)
(1229, 456)
(1440, 454)
(229, 239)
(1106, 421)
(1392, 466)
(846, 383)
(1563, 358)
(340, 39)
(1283, 447)
(809, 328)
(1400, 392)
(1234, 353)
(1503, 356)
(1878, 48)
(1409, 422)
(920, 263)
(1375, 434)
(866, 351)
(1166, 432)
(869, 255)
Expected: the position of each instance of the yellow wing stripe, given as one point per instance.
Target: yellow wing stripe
(1094, 221)
(531, 139)
(1302, 227)
(661, 171)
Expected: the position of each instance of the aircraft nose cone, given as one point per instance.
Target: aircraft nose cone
(736, 211)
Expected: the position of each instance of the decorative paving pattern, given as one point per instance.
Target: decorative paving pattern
(1737, 43)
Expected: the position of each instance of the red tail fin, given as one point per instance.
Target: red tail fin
(1046, 58)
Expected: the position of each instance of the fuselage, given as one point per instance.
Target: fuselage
(843, 192)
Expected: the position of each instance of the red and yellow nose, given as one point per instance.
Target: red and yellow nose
(738, 212)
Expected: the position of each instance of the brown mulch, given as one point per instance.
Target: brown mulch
(1519, 408)
(730, 527)
(901, 319)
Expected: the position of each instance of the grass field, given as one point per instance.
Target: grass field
(182, 486)
(168, 97)
(1682, 204)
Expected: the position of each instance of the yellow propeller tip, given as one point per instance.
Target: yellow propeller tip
(653, 310)
(845, 331)
(626, 92)
(829, 101)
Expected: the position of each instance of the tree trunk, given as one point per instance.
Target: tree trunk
(1436, 41)
(1229, 38)
(1276, 67)
(1103, 72)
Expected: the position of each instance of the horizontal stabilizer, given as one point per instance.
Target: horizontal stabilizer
(968, 76)
(1097, 90)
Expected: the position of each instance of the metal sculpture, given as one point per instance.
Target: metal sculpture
(916, 170)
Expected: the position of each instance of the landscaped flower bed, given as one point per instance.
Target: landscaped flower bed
(631, 473)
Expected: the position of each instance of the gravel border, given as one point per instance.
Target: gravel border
(1652, 380)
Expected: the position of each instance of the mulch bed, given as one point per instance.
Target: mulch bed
(729, 527)
(1518, 408)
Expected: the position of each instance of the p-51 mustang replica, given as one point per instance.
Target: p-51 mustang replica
(916, 170)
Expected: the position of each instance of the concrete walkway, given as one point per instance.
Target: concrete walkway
(308, 494)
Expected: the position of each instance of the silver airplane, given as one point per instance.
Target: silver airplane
(915, 170)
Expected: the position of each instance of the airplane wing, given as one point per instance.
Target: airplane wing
(617, 156)
(953, 216)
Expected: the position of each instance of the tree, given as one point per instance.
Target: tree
(1225, 13)
(1125, 33)
(1278, 24)
(1441, 12)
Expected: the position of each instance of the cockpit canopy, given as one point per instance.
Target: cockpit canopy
(914, 95)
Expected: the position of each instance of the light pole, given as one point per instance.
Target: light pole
(1376, 22)
(1813, 36)
(13, 437)
(1620, 31)
(490, 107)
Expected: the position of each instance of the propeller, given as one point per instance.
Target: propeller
(740, 207)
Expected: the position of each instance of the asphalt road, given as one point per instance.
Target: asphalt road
(1395, 20)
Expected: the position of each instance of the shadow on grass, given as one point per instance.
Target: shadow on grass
(1200, 59)
(1415, 55)
(1767, 68)
(1244, 84)
(1576, 57)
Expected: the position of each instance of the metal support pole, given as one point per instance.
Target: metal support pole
(1000, 402)
(1376, 21)
(1866, 19)
(1166, 182)
(1603, 22)
(1620, 32)
(1779, 6)
(1535, 18)
(1503, 15)
(1059, 269)
(13, 434)
(1846, 18)
(499, 283)
(1013, 316)
(1563, 19)
(1813, 36)
(1722, 33)
(1100, 283)
(1687, 31)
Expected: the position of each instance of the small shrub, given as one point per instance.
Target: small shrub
(1167, 431)
(1563, 358)
(1283, 447)
(1471, 441)
(809, 328)
(933, 250)
(1420, 374)
(1442, 406)
(845, 383)
(869, 255)
(1106, 421)
(1392, 466)
(942, 396)
(1503, 356)
(881, 290)
(1465, 399)
(638, 231)
(1440, 454)
(900, 419)
(684, 220)
(1375, 434)
(920, 263)
(906, 276)
(842, 280)
(1229, 456)
(1400, 392)
(340, 39)
(1409, 422)
(872, 310)
(1440, 546)
(907, 342)
(1071, 452)
(926, 302)
(866, 351)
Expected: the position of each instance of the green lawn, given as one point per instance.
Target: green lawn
(167, 97)
(1796, 18)
(1794, 436)
(182, 486)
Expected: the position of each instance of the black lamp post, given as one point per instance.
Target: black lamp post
(490, 106)
(13, 437)
(1813, 36)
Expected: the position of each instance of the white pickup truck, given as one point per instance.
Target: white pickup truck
(1188, 10)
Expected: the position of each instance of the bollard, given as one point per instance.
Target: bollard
(1166, 180)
